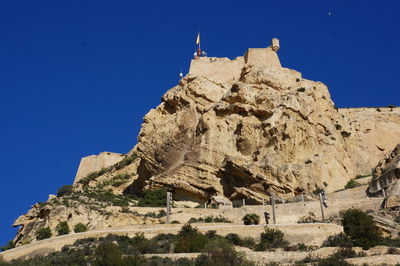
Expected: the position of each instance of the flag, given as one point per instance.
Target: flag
(198, 39)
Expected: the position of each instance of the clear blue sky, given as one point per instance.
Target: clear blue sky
(77, 77)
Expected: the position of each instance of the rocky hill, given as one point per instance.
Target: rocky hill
(264, 129)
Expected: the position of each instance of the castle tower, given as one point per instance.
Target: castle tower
(264, 56)
(225, 70)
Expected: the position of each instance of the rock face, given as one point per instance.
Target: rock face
(371, 133)
(272, 131)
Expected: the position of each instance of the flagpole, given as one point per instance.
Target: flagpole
(199, 41)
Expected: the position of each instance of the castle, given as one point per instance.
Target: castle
(224, 70)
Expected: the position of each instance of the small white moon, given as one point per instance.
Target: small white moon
(329, 13)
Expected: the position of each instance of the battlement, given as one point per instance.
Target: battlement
(225, 70)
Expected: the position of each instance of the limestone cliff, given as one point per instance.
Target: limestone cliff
(272, 131)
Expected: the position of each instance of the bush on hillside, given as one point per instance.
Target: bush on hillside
(360, 227)
(161, 213)
(251, 218)
(108, 253)
(43, 233)
(220, 252)
(339, 240)
(64, 190)
(351, 184)
(190, 239)
(80, 227)
(271, 238)
(238, 241)
(210, 219)
(153, 198)
(332, 261)
(109, 197)
(62, 228)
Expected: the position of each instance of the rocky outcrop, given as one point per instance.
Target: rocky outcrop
(272, 131)
(370, 134)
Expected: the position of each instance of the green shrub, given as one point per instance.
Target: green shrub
(299, 247)
(304, 247)
(89, 178)
(344, 253)
(234, 239)
(332, 261)
(153, 198)
(80, 227)
(339, 240)
(387, 241)
(271, 238)
(85, 241)
(160, 214)
(238, 241)
(64, 190)
(120, 179)
(109, 197)
(211, 234)
(108, 253)
(220, 252)
(124, 162)
(221, 219)
(190, 239)
(210, 219)
(9, 245)
(360, 227)
(62, 228)
(251, 218)
(43, 233)
(351, 184)
(249, 242)
(175, 222)
(338, 258)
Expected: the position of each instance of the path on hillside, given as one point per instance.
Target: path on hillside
(310, 234)
(288, 215)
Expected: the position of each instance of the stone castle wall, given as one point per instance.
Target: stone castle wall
(262, 57)
(221, 70)
(224, 70)
(94, 163)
